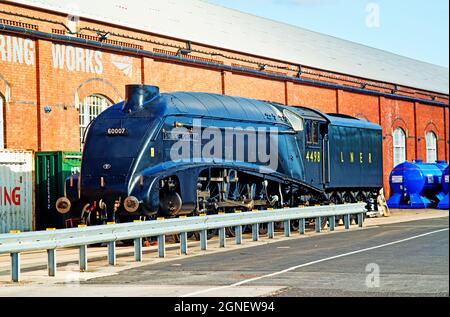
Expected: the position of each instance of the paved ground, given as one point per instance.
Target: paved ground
(412, 259)
(416, 267)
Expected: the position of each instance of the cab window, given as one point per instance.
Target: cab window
(312, 132)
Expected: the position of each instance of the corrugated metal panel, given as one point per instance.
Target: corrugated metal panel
(16, 191)
(203, 22)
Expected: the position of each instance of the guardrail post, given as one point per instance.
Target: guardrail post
(15, 267)
(361, 220)
(301, 226)
(318, 224)
(183, 243)
(204, 240)
(138, 249)
(255, 232)
(347, 222)
(271, 230)
(332, 223)
(238, 232)
(162, 246)
(112, 253)
(287, 228)
(51, 266)
(83, 258)
(222, 238)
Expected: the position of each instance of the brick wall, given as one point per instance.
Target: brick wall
(36, 74)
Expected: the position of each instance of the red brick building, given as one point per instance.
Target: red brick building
(60, 65)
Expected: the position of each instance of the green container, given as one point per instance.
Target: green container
(52, 170)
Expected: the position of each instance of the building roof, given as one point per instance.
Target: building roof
(205, 23)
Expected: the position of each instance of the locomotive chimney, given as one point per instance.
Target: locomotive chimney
(136, 96)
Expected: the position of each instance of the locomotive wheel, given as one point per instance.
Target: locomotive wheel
(176, 238)
(263, 229)
(295, 225)
(230, 232)
(324, 221)
(247, 229)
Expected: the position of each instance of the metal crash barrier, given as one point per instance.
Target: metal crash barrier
(15, 244)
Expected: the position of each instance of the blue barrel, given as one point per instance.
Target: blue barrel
(445, 181)
(444, 203)
(415, 185)
(442, 165)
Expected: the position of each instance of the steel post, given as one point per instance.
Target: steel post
(222, 238)
(83, 258)
(255, 232)
(302, 226)
(332, 221)
(361, 220)
(287, 228)
(347, 222)
(15, 267)
(112, 253)
(204, 240)
(238, 232)
(271, 230)
(138, 249)
(183, 243)
(162, 246)
(318, 224)
(51, 266)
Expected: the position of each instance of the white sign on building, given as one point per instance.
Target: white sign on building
(77, 59)
(17, 50)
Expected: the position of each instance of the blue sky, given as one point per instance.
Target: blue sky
(415, 28)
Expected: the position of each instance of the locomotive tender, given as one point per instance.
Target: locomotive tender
(149, 156)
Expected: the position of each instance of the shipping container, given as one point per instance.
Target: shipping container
(16, 191)
(52, 170)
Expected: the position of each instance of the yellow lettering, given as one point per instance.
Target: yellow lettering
(318, 157)
(361, 158)
(342, 157)
(370, 158)
(307, 156)
(352, 157)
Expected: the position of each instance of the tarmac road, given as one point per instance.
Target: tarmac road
(411, 259)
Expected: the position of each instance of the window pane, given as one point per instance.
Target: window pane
(294, 120)
(90, 108)
(316, 133)
(399, 146)
(431, 147)
(308, 132)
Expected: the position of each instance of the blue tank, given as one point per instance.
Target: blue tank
(415, 185)
(444, 203)
(442, 165)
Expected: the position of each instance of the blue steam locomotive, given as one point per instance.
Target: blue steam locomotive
(172, 154)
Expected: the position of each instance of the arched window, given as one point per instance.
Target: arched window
(399, 146)
(2, 123)
(431, 147)
(90, 108)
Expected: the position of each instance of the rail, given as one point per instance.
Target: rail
(17, 243)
